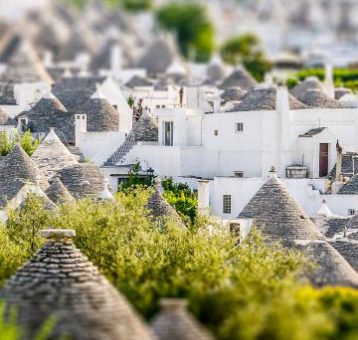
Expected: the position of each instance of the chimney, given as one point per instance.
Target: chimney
(106, 195)
(80, 127)
(282, 104)
(52, 235)
(273, 172)
(116, 58)
(328, 81)
(203, 196)
(173, 304)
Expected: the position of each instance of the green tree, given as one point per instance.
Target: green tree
(247, 50)
(23, 224)
(190, 22)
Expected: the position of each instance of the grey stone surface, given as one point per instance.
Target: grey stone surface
(174, 322)
(277, 214)
(61, 282)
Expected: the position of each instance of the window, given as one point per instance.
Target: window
(168, 133)
(216, 132)
(157, 106)
(239, 174)
(227, 204)
(163, 106)
(351, 212)
(23, 124)
(239, 127)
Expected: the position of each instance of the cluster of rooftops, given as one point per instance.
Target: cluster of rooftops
(68, 284)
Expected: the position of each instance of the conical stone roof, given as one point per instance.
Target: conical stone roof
(277, 214)
(58, 193)
(160, 209)
(48, 104)
(332, 269)
(145, 129)
(50, 112)
(310, 83)
(82, 180)
(264, 98)
(348, 249)
(232, 94)
(16, 169)
(51, 155)
(60, 281)
(317, 98)
(175, 322)
(157, 58)
(238, 78)
(101, 114)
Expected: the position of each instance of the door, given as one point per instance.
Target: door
(323, 159)
(168, 133)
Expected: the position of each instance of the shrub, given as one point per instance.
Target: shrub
(246, 291)
(184, 201)
(27, 142)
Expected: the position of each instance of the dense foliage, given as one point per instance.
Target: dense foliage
(347, 77)
(246, 49)
(27, 142)
(181, 197)
(191, 25)
(249, 291)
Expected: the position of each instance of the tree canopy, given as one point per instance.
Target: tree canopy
(192, 27)
(246, 49)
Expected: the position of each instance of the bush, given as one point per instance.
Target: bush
(27, 142)
(184, 201)
(250, 291)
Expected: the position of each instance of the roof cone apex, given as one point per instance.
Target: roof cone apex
(173, 304)
(98, 94)
(273, 172)
(324, 210)
(56, 234)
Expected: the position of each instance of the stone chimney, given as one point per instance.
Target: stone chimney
(80, 127)
(328, 81)
(106, 195)
(116, 58)
(203, 196)
(57, 234)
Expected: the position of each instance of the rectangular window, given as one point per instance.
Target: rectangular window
(351, 212)
(157, 106)
(163, 106)
(216, 132)
(239, 127)
(168, 133)
(227, 204)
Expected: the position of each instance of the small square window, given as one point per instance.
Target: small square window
(216, 132)
(351, 212)
(239, 127)
(227, 204)
(157, 106)
(163, 106)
